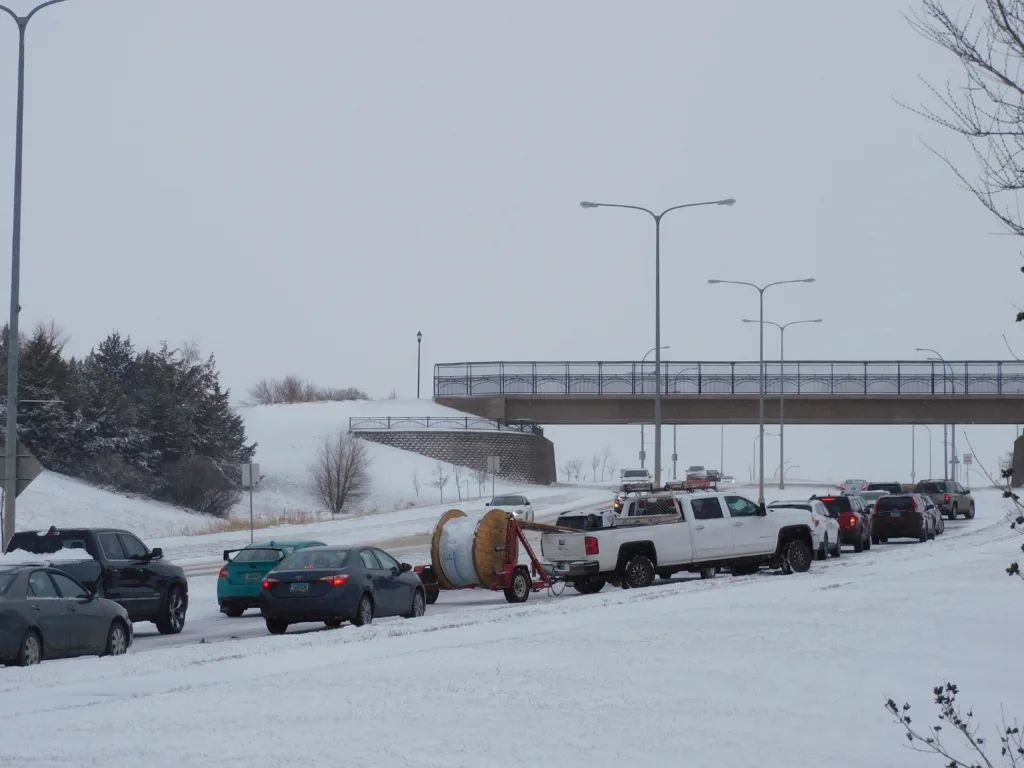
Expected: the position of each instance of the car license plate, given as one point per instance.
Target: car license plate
(300, 586)
(253, 576)
(895, 514)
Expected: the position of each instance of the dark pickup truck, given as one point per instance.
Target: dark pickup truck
(118, 566)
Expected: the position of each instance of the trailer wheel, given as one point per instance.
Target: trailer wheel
(518, 590)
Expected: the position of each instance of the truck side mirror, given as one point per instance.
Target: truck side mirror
(156, 553)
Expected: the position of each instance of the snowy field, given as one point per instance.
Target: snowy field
(289, 437)
(764, 670)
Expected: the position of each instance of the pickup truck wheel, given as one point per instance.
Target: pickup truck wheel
(796, 556)
(518, 590)
(745, 570)
(875, 539)
(923, 536)
(953, 512)
(172, 614)
(638, 572)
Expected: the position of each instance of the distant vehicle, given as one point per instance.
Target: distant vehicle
(826, 528)
(519, 506)
(241, 579)
(117, 565)
(696, 472)
(46, 614)
(715, 475)
(339, 584)
(949, 497)
(901, 517)
(870, 497)
(728, 480)
(634, 475)
(895, 488)
(854, 521)
(853, 486)
(938, 522)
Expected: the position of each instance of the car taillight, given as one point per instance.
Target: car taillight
(337, 580)
(223, 573)
(947, 497)
(848, 519)
(268, 581)
(590, 543)
(817, 522)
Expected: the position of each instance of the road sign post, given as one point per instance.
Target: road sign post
(494, 467)
(250, 479)
(27, 470)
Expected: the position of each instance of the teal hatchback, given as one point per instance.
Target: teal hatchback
(241, 578)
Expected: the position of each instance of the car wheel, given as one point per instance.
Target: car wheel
(942, 525)
(923, 536)
(796, 556)
(117, 640)
(31, 649)
(277, 626)
(233, 611)
(172, 615)
(970, 514)
(953, 512)
(867, 542)
(838, 551)
(858, 545)
(333, 623)
(419, 605)
(364, 611)
(518, 590)
(875, 539)
(638, 572)
(822, 553)
(708, 573)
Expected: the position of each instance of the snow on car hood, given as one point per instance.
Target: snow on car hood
(20, 557)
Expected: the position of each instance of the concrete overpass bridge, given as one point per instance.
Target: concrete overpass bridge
(815, 391)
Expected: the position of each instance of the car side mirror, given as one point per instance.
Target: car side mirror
(406, 567)
(967, 490)
(156, 553)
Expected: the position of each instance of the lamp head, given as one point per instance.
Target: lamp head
(808, 280)
(727, 201)
(588, 204)
(714, 282)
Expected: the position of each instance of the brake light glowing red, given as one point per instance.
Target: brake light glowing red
(337, 580)
(829, 498)
(591, 545)
(947, 497)
(848, 520)
(223, 573)
(268, 581)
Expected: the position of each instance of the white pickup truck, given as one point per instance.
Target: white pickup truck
(699, 532)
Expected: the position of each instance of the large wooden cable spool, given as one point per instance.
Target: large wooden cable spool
(471, 551)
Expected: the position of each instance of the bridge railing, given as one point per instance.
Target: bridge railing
(377, 423)
(797, 377)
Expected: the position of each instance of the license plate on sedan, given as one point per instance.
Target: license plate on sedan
(896, 514)
(254, 576)
(300, 586)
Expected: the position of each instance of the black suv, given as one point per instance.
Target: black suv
(118, 566)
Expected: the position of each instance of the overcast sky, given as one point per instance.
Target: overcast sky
(303, 186)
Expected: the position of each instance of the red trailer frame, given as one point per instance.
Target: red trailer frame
(516, 579)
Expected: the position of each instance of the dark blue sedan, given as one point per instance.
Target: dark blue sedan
(339, 584)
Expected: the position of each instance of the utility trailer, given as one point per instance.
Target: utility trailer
(691, 484)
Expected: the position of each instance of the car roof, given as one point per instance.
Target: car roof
(286, 543)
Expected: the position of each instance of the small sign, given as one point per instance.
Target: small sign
(643, 455)
(250, 475)
(968, 458)
(27, 468)
(494, 464)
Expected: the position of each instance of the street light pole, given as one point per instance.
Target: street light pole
(759, 436)
(945, 439)
(419, 350)
(760, 399)
(657, 309)
(782, 389)
(643, 453)
(11, 449)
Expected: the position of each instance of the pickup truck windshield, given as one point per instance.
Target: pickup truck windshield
(635, 473)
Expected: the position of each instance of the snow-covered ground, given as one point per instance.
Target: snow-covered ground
(764, 670)
(288, 437)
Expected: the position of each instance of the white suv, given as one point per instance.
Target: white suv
(826, 529)
(519, 506)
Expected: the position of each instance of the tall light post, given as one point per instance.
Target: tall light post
(913, 460)
(657, 308)
(945, 434)
(760, 404)
(643, 453)
(782, 390)
(419, 351)
(761, 435)
(675, 453)
(11, 450)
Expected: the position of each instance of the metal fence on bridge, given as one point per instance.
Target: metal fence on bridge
(798, 377)
(415, 423)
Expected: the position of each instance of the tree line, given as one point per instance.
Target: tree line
(150, 422)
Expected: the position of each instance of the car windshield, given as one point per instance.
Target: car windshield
(315, 558)
(508, 501)
(260, 554)
(694, 469)
(6, 579)
(930, 487)
(872, 495)
(635, 473)
(896, 503)
(837, 504)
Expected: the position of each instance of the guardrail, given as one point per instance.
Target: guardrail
(413, 423)
(799, 377)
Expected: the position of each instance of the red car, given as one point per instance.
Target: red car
(854, 520)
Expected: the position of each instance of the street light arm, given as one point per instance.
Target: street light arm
(40, 7)
(618, 205)
(786, 282)
(11, 13)
(692, 205)
(766, 322)
(734, 282)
